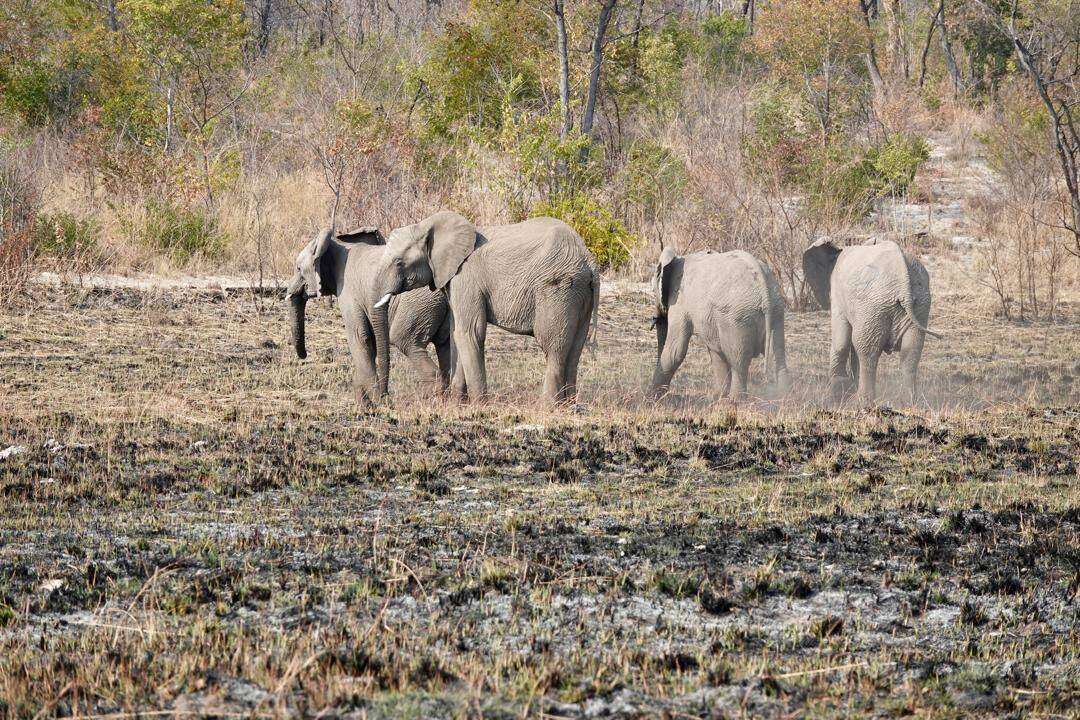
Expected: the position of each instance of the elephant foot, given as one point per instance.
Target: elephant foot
(783, 382)
(838, 391)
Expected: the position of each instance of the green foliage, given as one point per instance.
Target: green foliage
(29, 92)
(605, 235)
(779, 139)
(663, 55)
(988, 49)
(182, 233)
(542, 161)
(177, 36)
(652, 176)
(895, 162)
(460, 86)
(853, 178)
(723, 39)
(64, 234)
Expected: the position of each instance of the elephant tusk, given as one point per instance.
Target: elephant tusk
(383, 300)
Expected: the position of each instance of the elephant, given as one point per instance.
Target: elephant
(732, 303)
(345, 267)
(879, 298)
(532, 278)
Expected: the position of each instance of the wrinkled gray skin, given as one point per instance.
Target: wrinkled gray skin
(880, 303)
(531, 278)
(346, 267)
(732, 304)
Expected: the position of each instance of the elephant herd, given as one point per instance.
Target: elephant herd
(442, 281)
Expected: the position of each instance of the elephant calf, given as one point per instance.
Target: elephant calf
(345, 267)
(879, 298)
(732, 303)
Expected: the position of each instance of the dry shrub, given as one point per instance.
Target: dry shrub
(20, 199)
(1023, 257)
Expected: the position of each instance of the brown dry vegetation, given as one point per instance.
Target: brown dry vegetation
(202, 524)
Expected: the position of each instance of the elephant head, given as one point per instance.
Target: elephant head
(319, 271)
(429, 253)
(818, 262)
(664, 286)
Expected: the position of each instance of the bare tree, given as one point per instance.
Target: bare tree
(1048, 48)
(594, 71)
(564, 66)
(947, 51)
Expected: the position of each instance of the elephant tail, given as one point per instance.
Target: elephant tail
(914, 321)
(907, 302)
(770, 354)
(593, 343)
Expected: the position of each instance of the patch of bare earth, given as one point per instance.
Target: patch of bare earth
(196, 522)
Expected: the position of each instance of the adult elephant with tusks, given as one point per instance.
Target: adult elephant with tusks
(879, 301)
(345, 266)
(531, 278)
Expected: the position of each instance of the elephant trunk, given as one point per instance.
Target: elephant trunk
(298, 304)
(380, 325)
(661, 334)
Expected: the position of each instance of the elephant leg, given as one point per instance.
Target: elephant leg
(851, 381)
(740, 375)
(868, 362)
(910, 353)
(444, 351)
(425, 369)
(678, 339)
(362, 349)
(838, 357)
(573, 357)
(470, 375)
(721, 371)
(468, 323)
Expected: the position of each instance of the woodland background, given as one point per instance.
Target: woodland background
(213, 136)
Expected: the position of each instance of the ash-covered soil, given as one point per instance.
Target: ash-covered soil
(193, 522)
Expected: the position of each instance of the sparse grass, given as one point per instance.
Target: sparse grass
(201, 523)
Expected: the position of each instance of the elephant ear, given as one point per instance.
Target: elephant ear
(368, 234)
(662, 282)
(321, 242)
(449, 240)
(324, 262)
(818, 262)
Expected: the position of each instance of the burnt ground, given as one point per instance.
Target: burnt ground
(194, 523)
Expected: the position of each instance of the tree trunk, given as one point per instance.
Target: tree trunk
(946, 48)
(264, 26)
(929, 38)
(870, 56)
(749, 10)
(594, 71)
(564, 67)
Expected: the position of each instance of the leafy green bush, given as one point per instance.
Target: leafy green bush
(896, 161)
(604, 234)
(724, 36)
(182, 233)
(662, 57)
(28, 92)
(460, 86)
(778, 139)
(63, 234)
(853, 178)
(653, 176)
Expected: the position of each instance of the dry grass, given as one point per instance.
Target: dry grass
(201, 524)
